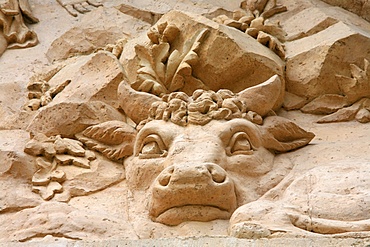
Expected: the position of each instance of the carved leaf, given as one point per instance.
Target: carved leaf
(160, 54)
(47, 192)
(65, 159)
(146, 61)
(161, 71)
(358, 85)
(114, 139)
(70, 146)
(173, 63)
(151, 74)
(189, 58)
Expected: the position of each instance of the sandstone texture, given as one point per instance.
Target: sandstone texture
(184, 123)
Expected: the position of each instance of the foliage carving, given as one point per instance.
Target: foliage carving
(164, 69)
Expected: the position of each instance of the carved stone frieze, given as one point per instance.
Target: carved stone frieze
(166, 119)
(233, 67)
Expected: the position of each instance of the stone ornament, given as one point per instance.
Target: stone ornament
(13, 31)
(252, 19)
(293, 214)
(161, 71)
(169, 137)
(184, 126)
(53, 152)
(231, 141)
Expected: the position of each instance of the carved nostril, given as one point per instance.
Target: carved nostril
(165, 178)
(218, 175)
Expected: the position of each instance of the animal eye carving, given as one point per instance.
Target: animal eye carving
(152, 147)
(239, 144)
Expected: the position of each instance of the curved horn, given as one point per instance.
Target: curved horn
(135, 104)
(264, 97)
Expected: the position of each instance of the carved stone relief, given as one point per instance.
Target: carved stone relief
(14, 33)
(150, 123)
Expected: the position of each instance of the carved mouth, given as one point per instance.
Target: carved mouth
(176, 215)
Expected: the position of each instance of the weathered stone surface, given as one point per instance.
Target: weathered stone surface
(13, 94)
(363, 116)
(83, 181)
(71, 118)
(316, 20)
(227, 58)
(348, 113)
(360, 7)
(104, 73)
(13, 161)
(187, 158)
(325, 104)
(293, 102)
(61, 220)
(204, 241)
(16, 170)
(313, 62)
(201, 7)
(15, 200)
(308, 214)
(82, 102)
(97, 29)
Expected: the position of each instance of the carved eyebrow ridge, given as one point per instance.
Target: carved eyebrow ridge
(241, 126)
(164, 133)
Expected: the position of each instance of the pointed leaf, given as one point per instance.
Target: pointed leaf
(160, 54)
(146, 71)
(70, 146)
(172, 64)
(146, 86)
(176, 83)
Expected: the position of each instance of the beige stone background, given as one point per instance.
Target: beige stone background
(335, 143)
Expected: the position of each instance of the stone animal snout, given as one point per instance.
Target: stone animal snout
(203, 173)
(189, 191)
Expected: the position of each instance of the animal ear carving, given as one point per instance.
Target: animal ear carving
(282, 135)
(264, 97)
(114, 139)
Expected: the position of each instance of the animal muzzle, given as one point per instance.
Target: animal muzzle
(188, 192)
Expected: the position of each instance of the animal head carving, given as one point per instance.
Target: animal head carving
(203, 172)
(199, 157)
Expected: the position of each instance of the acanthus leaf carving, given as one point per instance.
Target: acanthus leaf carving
(164, 69)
